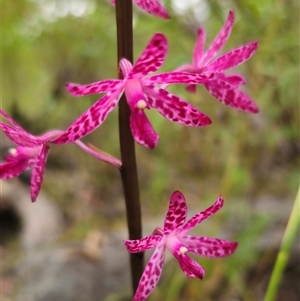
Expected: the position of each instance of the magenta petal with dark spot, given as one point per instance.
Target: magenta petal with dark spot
(142, 130)
(190, 267)
(143, 244)
(175, 109)
(152, 57)
(92, 118)
(38, 172)
(94, 88)
(218, 42)
(233, 58)
(13, 169)
(151, 274)
(231, 96)
(176, 214)
(201, 216)
(208, 246)
(152, 7)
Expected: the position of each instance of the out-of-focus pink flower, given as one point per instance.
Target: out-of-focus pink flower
(224, 87)
(173, 237)
(152, 7)
(141, 93)
(32, 151)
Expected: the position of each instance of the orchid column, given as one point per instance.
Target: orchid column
(127, 144)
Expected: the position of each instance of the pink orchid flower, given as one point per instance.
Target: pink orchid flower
(152, 7)
(141, 93)
(224, 88)
(173, 237)
(32, 151)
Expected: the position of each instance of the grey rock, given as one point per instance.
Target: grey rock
(75, 272)
(41, 221)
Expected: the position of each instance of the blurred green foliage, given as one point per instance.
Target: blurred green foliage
(47, 43)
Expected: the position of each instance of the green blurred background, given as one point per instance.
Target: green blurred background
(249, 159)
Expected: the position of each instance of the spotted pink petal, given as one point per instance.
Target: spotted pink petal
(233, 58)
(10, 119)
(231, 96)
(12, 169)
(143, 244)
(166, 79)
(219, 41)
(176, 215)
(208, 246)
(152, 58)
(199, 47)
(151, 274)
(235, 80)
(94, 88)
(92, 118)
(190, 267)
(38, 172)
(142, 129)
(152, 7)
(191, 88)
(177, 77)
(19, 137)
(201, 216)
(174, 108)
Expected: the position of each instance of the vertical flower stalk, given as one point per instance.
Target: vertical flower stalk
(288, 239)
(127, 145)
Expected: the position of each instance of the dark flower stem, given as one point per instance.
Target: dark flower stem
(127, 144)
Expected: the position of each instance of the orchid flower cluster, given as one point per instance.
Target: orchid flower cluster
(145, 91)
